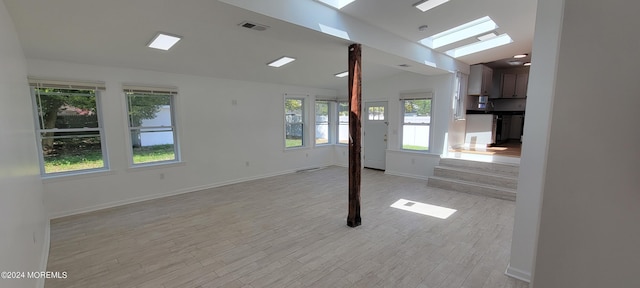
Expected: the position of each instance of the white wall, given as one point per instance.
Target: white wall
(406, 163)
(533, 160)
(589, 233)
(23, 226)
(217, 138)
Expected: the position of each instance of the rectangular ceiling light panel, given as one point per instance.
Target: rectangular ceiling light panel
(338, 4)
(163, 41)
(487, 36)
(427, 5)
(281, 61)
(480, 46)
(464, 31)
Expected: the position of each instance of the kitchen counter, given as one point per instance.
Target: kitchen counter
(495, 112)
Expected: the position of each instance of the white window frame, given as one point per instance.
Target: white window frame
(98, 88)
(172, 92)
(416, 96)
(303, 120)
(459, 88)
(331, 104)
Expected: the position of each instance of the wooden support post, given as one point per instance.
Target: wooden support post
(355, 100)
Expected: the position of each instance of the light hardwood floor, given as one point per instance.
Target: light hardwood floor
(289, 231)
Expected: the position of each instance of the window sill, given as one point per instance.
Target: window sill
(76, 176)
(154, 166)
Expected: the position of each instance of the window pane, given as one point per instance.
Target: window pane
(343, 122)
(322, 133)
(322, 122)
(343, 133)
(294, 135)
(155, 145)
(66, 108)
(149, 110)
(417, 111)
(71, 151)
(416, 121)
(294, 122)
(415, 137)
(376, 113)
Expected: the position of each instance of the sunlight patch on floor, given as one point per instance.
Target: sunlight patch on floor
(423, 208)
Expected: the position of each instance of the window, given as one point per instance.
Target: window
(152, 126)
(294, 122)
(416, 121)
(343, 122)
(69, 126)
(460, 86)
(376, 113)
(323, 125)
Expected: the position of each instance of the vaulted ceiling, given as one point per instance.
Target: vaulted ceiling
(115, 33)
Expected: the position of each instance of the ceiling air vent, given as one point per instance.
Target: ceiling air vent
(253, 26)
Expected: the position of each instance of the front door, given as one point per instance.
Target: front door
(375, 134)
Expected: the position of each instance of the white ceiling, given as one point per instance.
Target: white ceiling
(115, 33)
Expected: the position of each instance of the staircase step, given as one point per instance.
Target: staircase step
(472, 188)
(498, 168)
(477, 176)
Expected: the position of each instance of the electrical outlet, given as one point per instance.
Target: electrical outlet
(413, 160)
(234, 102)
(246, 163)
(161, 176)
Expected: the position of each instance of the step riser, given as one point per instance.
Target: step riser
(504, 169)
(471, 189)
(495, 180)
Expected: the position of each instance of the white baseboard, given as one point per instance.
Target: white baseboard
(171, 193)
(518, 274)
(415, 176)
(46, 244)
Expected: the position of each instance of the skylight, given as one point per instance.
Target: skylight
(480, 46)
(464, 31)
(342, 74)
(164, 41)
(281, 61)
(338, 4)
(426, 5)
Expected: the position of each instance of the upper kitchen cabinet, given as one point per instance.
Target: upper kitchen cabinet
(514, 85)
(480, 80)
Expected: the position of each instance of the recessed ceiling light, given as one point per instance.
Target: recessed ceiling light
(342, 74)
(338, 4)
(520, 56)
(515, 63)
(487, 36)
(464, 31)
(527, 64)
(163, 41)
(426, 5)
(281, 61)
(480, 46)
